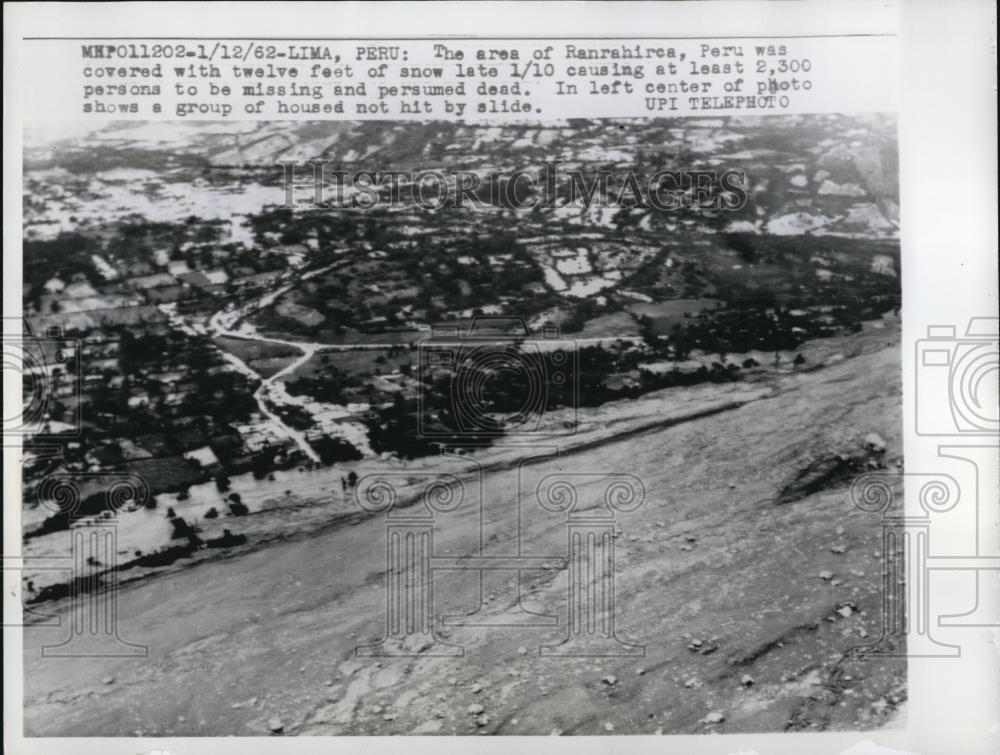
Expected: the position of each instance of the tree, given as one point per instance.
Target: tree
(332, 450)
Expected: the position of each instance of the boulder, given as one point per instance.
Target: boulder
(875, 443)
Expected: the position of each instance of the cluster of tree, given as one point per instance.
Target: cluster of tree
(333, 450)
(399, 429)
(327, 388)
(64, 256)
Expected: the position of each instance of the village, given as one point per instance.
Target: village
(221, 340)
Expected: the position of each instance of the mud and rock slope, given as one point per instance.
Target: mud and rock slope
(747, 575)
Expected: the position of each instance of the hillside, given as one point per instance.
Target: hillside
(717, 574)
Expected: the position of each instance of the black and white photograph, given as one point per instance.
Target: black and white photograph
(570, 452)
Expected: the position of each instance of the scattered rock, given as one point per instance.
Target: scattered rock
(389, 717)
(475, 709)
(522, 650)
(609, 726)
(692, 683)
(875, 443)
(746, 680)
(108, 680)
(556, 733)
(827, 575)
(840, 530)
(715, 717)
(452, 681)
(640, 671)
(838, 548)
(702, 647)
(275, 725)
(611, 680)
(483, 720)
(427, 727)
(846, 611)
(477, 688)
